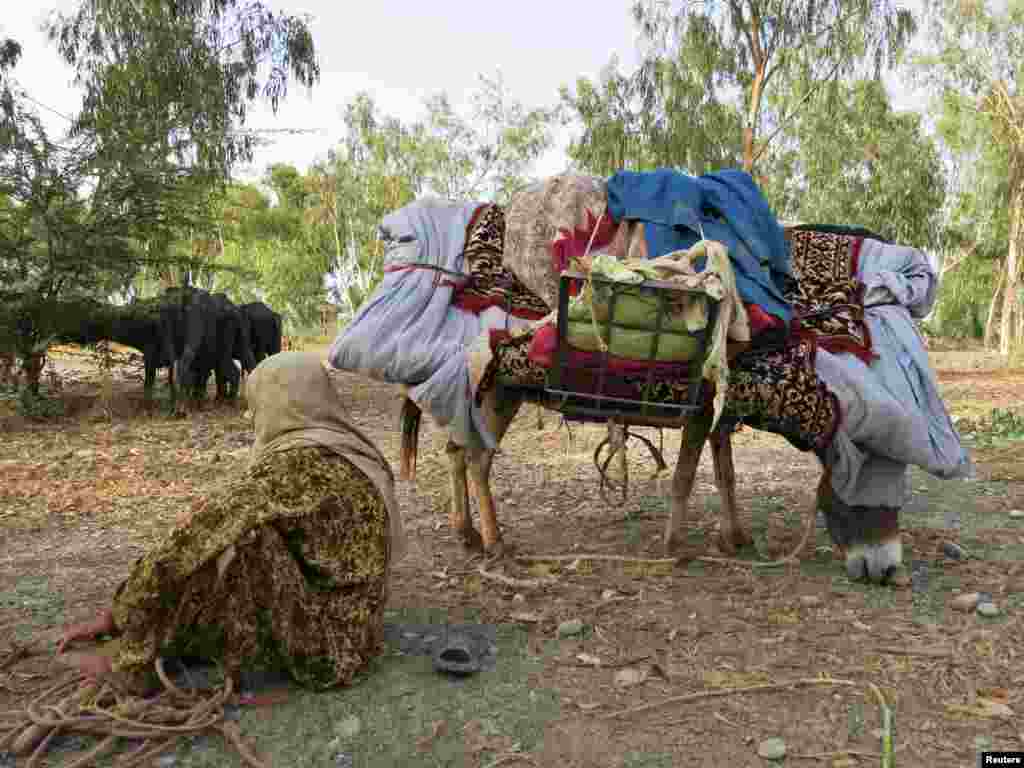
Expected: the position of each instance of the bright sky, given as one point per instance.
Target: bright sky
(400, 51)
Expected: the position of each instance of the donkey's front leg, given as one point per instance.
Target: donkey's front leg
(731, 534)
(499, 408)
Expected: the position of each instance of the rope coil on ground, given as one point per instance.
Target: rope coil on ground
(80, 705)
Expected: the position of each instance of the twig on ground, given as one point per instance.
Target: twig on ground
(766, 688)
(930, 653)
(511, 758)
(508, 581)
(726, 720)
(609, 665)
(18, 652)
(609, 558)
(610, 601)
(840, 753)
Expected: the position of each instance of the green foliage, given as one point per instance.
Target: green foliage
(973, 68)
(286, 182)
(10, 52)
(611, 137)
(668, 114)
(485, 155)
(71, 227)
(132, 188)
(298, 238)
(860, 163)
(699, 99)
(272, 256)
(1000, 425)
(70, 221)
(963, 303)
(177, 78)
(383, 164)
(37, 406)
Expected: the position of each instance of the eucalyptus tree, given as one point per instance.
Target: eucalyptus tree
(168, 83)
(793, 49)
(976, 68)
(862, 163)
(699, 99)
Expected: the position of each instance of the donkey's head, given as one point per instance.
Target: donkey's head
(869, 537)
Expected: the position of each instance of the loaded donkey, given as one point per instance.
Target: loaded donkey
(831, 360)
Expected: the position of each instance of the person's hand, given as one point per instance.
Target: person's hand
(86, 630)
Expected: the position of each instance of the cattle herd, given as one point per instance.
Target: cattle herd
(190, 331)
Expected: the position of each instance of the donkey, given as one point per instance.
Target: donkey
(867, 538)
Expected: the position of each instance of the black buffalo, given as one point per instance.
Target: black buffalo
(211, 335)
(145, 325)
(185, 329)
(233, 343)
(265, 329)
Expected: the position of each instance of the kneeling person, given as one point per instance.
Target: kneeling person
(284, 566)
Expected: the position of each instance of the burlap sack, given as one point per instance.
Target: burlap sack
(532, 222)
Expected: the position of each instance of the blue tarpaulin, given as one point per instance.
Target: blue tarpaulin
(726, 206)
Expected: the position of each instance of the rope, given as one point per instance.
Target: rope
(602, 468)
(104, 712)
(588, 285)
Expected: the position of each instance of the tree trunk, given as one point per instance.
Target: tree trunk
(1006, 318)
(948, 265)
(1018, 338)
(754, 108)
(32, 366)
(337, 238)
(756, 89)
(8, 374)
(1012, 271)
(990, 322)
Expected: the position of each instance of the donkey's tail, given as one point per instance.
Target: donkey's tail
(409, 421)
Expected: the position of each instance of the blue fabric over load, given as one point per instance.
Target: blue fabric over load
(728, 206)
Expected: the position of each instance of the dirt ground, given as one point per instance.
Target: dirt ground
(81, 497)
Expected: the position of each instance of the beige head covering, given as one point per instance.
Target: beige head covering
(294, 404)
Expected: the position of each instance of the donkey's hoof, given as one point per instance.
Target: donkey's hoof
(471, 540)
(739, 537)
(673, 543)
(499, 550)
(726, 543)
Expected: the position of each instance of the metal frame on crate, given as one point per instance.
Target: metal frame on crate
(596, 406)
